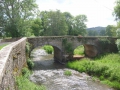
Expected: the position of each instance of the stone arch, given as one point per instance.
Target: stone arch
(57, 51)
(90, 48)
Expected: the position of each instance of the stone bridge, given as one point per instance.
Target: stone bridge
(64, 45)
(13, 56)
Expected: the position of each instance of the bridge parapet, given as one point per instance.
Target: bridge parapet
(12, 59)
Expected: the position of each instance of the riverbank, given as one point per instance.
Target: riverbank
(55, 76)
(106, 68)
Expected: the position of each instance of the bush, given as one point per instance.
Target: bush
(30, 64)
(25, 72)
(48, 49)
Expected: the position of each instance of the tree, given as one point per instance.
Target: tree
(110, 30)
(17, 14)
(53, 23)
(102, 33)
(69, 19)
(117, 10)
(92, 33)
(37, 27)
(79, 26)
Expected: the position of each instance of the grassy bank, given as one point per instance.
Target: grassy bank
(106, 68)
(3, 45)
(23, 83)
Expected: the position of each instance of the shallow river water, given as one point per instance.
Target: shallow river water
(51, 74)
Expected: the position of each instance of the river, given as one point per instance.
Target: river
(51, 74)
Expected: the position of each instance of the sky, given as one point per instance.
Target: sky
(98, 12)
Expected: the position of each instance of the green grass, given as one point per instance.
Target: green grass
(106, 68)
(79, 50)
(23, 83)
(1, 46)
(48, 49)
(67, 73)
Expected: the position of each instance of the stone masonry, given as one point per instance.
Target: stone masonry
(12, 59)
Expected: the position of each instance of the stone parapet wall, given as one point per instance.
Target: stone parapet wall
(12, 59)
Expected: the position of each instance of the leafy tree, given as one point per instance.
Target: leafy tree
(110, 30)
(102, 33)
(69, 19)
(79, 26)
(37, 27)
(92, 33)
(53, 23)
(17, 14)
(117, 10)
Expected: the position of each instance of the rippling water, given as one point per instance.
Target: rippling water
(51, 74)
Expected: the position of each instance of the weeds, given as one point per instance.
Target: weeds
(23, 83)
(67, 73)
(30, 64)
(105, 68)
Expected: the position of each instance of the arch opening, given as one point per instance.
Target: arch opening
(78, 52)
(45, 57)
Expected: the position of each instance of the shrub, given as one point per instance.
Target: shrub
(30, 64)
(48, 49)
(106, 67)
(25, 72)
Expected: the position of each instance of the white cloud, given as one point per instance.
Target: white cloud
(98, 12)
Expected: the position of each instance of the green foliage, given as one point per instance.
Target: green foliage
(79, 26)
(110, 30)
(28, 49)
(117, 10)
(25, 72)
(1, 46)
(48, 49)
(58, 23)
(67, 73)
(105, 68)
(79, 50)
(67, 46)
(23, 83)
(16, 16)
(37, 27)
(53, 23)
(30, 64)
